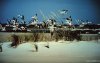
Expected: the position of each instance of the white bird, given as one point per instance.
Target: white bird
(63, 11)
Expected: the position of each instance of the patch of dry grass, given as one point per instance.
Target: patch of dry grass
(35, 37)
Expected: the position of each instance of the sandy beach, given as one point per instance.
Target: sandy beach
(59, 52)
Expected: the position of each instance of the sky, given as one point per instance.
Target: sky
(78, 9)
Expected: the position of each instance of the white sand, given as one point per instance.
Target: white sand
(59, 52)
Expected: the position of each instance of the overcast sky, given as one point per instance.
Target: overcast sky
(78, 9)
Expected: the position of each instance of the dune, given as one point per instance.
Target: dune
(59, 52)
